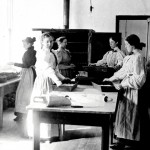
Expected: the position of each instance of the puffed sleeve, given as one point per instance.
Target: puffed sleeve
(28, 59)
(44, 66)
(59, 75)
(120, 57)
(122, 73)
(103, 60)
(137, 79)
(51, 73)
(59, 56)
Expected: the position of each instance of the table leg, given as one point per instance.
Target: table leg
(1, 106)
(111, 141)
(36, 137)
(61, 131)
(105, 137)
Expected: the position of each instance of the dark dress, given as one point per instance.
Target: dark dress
(25, 86)
(65, 66)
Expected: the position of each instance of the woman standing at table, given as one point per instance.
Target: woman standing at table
(110, 63)
(47, 75)
(129, 79)
(28, 75)
(65, 66)
(113, 58)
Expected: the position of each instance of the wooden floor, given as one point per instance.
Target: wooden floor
(76, 137)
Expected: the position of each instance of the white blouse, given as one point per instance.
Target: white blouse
(112, 58)
(46, 65)
(132, 74)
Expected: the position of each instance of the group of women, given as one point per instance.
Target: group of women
(110, 62)
(128, 79)
(40, 70)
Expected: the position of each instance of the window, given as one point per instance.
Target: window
(19, 17)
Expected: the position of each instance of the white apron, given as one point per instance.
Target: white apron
(24, 90)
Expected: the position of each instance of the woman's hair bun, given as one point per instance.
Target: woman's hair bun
(134, 40)
(60, 39)
(29, 40)
(142, 45)
(34, 39)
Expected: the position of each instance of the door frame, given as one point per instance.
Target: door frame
(129, 17)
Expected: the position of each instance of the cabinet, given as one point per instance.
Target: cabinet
(78, 43)
(85, 45)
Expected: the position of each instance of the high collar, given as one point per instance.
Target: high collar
(61, 49)
(30, 48)
(115, 49)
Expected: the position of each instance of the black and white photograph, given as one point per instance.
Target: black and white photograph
(74, 74)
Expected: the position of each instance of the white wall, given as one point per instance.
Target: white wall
(49, 13)
(103, 16)
(28, 14)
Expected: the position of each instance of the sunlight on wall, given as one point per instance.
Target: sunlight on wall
(30, 14)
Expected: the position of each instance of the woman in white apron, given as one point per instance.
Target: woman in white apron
(28, 75)
(128, 80)
(47, 75)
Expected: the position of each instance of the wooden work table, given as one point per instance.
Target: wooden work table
(88, 115)
(5, 88)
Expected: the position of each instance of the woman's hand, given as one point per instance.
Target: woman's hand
(66, 81)
(117, 67)
(101, 65)
(10, 63)
(106, 79)
(118, 86)
(72, 65)
(92, 64)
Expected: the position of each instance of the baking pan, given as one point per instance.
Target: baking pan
(104, 87)
(66, 87)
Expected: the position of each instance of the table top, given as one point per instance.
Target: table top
(91, 99)
(17, 79)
